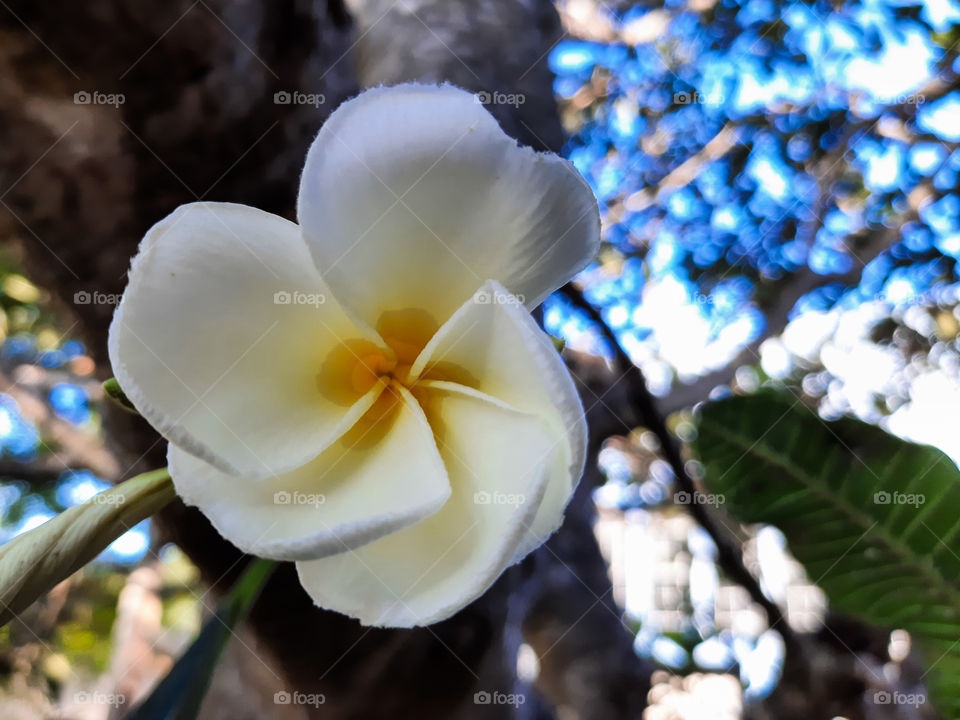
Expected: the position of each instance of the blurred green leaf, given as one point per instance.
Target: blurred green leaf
(16, 510)
(180, 694)
(874, 519)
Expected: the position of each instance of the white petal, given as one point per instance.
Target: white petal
(383, 475)
(496, 347)
(204, 351)
(496, 459)
(417, 190)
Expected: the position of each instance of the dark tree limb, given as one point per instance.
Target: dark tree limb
(729, 555)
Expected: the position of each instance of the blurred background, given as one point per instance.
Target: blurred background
(778, 185)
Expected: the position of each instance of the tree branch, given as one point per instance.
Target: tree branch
(729, 557)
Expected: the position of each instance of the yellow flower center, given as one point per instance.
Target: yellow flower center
(355, 366)
(369, 368)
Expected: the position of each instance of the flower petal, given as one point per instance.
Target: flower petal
(383, 475)
(497, 459)
(220, 335)
(416, 189)
(494, 345)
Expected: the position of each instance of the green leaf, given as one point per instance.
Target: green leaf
(113, 390)
(34, 562)
(875, 520)
(180, 694)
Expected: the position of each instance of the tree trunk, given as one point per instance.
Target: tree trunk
(81, 183)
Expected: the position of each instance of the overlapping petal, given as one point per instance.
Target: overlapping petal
(383, 475)
(498, 460)
(219, 337)
(416, 190)
(493, 344)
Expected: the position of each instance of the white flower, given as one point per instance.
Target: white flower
(366, 393)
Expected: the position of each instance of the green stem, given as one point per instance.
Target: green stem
(32, 563)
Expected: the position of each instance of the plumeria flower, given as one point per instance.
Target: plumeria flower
(366, 393)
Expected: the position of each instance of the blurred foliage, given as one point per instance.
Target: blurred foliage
(83, 635)
(769, 171)
(746, 152)
(181, 692)
(63, 645)
(66, 641)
